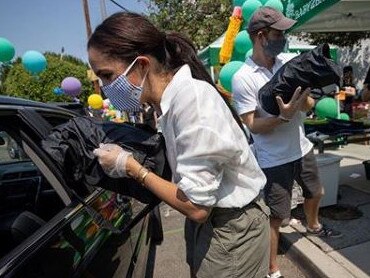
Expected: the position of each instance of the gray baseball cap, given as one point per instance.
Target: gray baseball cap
(269, 17)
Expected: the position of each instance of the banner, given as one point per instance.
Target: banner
(303, 10)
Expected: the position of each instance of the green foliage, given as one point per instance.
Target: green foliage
(203, 21)
(16, 81)
(336, 38)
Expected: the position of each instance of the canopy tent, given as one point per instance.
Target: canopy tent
(329, 15)
(210, 54)
(312, 16)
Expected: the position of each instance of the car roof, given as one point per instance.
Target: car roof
(15, 102)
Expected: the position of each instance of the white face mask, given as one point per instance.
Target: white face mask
(124, 95)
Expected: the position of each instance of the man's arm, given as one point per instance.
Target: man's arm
(260, 125)
(299, 102)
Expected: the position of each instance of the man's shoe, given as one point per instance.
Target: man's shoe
(324, 231)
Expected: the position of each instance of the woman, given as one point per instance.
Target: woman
(349, 90)
(216, 179)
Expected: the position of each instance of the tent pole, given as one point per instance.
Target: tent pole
(212, 73)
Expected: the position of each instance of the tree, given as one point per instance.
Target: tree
(336, 38)
(202, 21)
(16, 81)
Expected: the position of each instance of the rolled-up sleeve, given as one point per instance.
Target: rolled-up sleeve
(201, 155)
(204, 143)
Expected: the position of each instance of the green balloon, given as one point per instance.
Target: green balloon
(242, 42)
(249, 53)
(7, 50)
(238, 56)
(326, 108)
(249, 7)
(238, 3)
(344, 116)
(227, 72)
(276, 4)
(263, 2)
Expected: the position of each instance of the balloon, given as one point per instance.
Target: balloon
(7, 50)
(34, 62)
(242, 42)
(276, 4)
(95, 101)
(227, 72)
(326, 107)
(344, 116)
(249, 53)
(249, 7)
(263, 2)
(238, 3)
(58, 91)
(71, 86)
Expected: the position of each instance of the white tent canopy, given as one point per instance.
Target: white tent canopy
(343, 16)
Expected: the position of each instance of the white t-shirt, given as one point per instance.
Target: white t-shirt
(207, 151)
(284, 143)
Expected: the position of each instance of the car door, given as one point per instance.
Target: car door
(87, 248)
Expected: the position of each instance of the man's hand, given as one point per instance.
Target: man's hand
(298, 101)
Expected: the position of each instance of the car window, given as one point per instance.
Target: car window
(27, 200)
(42, 234)
(80, 247)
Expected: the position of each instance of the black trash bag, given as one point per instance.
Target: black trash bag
(71, 145)
(313, 69)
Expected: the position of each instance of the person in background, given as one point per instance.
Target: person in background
(216, 180)
(365, 95)
(349, 89)
(282, 150)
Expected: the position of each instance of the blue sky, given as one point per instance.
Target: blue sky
(49, 25)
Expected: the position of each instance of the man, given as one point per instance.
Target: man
(366, 89)
(282, 150)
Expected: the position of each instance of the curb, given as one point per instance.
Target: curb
(309, 257)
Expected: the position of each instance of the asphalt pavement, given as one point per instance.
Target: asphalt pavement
(170, 255)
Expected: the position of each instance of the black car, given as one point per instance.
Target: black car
(50, 229)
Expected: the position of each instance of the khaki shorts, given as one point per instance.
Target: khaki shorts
(232, 243)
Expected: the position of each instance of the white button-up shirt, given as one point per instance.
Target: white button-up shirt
(208, 153)
(283, 144)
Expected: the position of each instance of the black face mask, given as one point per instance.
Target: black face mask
(274, 47)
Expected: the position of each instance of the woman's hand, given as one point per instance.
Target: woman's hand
(114, 160)
(296, 103)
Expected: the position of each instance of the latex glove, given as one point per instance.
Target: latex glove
(113, 160)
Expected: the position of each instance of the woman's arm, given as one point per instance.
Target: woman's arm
(169, 193)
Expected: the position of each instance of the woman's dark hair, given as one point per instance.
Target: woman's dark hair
(126, 35)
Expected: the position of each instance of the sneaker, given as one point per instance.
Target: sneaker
(275, 274)
(324, 231)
